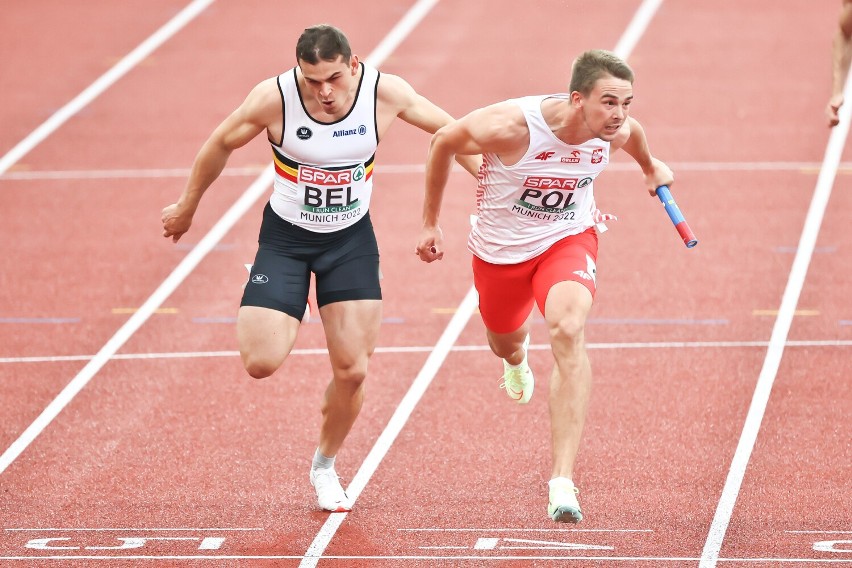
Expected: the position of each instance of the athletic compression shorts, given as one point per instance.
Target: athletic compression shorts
(507, 291)
(345, 264)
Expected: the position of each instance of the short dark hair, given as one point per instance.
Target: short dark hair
(592, 65)
(322, 42)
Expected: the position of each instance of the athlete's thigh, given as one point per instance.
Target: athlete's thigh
(348, 269)
(572, 259)
(278, 281)
(351, 330)
(265, 336)
(568, 302)
(505, 294)
(565, 279)
(272, 306)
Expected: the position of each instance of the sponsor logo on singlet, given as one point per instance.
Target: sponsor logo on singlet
(574, 158)
(546, 182)
(317, 176)
(328, 195)
(360, 130)
(549, 198)
(303, 133)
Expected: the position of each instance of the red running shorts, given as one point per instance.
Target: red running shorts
(507, 291)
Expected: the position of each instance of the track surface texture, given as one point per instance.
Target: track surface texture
(719, 426)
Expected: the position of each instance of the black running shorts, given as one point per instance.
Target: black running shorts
(345, 264)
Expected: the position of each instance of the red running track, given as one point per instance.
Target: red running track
(170, 455)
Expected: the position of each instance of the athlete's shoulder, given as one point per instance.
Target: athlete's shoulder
(496, 128)
(505, 116)
(263, 103)
(394, 89)
(264, 89)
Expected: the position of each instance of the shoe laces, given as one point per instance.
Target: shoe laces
(325, 476)
(514, 378)
(574, 489)
(327, 480)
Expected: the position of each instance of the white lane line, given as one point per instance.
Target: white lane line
(403, 28)
(251, 171)
(100, 359)
(636, 28)
(169, 285)
(634, 31)
(429, 348)
(819, 532)
(103, 83)
(400, 31)
(396, 423)
(778, 338)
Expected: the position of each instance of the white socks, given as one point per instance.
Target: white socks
(322, 462)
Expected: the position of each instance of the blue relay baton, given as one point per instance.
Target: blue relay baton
(665, 195)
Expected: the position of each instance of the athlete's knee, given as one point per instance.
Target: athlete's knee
(568, 330)
(259, 367)
(506, 346)
(351, 373)
(352, 376)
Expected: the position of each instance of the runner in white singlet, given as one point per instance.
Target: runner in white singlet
(534, 241)
(324, 170)
(324, 119)
(547, 195)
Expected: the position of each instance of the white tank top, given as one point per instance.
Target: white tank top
(324, 170)
(547, 195)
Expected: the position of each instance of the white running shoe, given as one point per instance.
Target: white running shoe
(563, 506)
(519, 382)
(330, 495)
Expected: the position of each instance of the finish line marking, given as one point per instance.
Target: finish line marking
(433, 558)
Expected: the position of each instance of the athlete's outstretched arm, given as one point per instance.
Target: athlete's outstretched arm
(254, 115)
(417, 110)
(498, 128)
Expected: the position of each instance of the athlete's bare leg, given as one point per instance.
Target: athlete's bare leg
(351, 331)
(265, 337)
(566, 309)
(509, 346)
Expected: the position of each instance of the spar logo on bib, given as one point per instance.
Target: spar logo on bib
(317, 176)
(328, 194)
(549, 198)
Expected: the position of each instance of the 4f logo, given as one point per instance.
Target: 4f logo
(545, 156)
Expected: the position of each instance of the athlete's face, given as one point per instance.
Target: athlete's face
(331, 83)
(607, 106)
